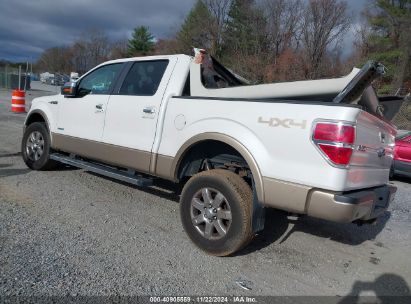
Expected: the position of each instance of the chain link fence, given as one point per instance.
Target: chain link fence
(403, 118)
(9, 78)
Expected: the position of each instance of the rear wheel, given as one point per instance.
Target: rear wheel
(35, 147)
(216, 211)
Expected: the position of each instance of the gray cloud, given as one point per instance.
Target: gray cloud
(27, 27)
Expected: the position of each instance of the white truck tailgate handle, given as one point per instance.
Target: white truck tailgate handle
(149, 110)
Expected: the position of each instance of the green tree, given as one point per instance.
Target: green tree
(246, 28)
(389, 40)
(141, 42)
(245, 40)
(195, 31)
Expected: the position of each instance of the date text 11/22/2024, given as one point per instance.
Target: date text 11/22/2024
(203, 299)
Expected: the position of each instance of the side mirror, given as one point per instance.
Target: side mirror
(69, 89)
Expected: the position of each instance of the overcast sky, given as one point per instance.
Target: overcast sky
(27, 27)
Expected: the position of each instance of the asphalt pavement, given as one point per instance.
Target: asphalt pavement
(72, 232)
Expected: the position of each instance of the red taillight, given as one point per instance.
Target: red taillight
(334, 132)
(338, 155)
(335, 141)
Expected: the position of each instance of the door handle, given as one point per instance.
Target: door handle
(99, 106)
(149, 110)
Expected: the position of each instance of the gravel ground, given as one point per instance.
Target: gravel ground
(72, 232)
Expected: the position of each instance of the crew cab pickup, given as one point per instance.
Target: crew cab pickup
(317, 147)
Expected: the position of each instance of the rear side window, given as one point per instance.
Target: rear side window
(144, 78)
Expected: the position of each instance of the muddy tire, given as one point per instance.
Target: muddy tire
(35, 147)
(216, 211)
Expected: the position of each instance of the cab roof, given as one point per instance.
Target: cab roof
(157, 57)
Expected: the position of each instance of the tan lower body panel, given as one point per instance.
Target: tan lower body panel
(278, 194)
(163, 167)
(313, 202)
(286, 196)
(323, 205)
(110, 154)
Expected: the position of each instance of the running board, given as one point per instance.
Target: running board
(103, 170)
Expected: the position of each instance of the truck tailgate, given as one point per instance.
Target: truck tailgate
(371, 160)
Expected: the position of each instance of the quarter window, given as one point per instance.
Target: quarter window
(144, 78)
(99, 81)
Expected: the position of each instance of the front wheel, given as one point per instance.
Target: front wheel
(35, 147)
(216, 211)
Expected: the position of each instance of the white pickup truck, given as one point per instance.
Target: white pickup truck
(316, 147)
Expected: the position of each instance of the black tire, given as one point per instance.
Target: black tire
(43, 162)
(238, 198)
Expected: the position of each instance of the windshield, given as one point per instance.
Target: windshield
(401, 134)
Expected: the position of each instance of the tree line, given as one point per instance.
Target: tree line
(266, 40)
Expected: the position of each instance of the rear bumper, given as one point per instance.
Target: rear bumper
(363, 204)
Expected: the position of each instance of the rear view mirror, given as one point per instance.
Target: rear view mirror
(69, 89)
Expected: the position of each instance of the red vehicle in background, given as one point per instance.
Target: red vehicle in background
(402, 154)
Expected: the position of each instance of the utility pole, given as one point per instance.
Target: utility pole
(6, 76)
(19, 77)
(25, 76)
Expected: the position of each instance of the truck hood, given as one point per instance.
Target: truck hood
(359, 90)
(362, 80)
(216, 81)
(319, 90)
(44, 99)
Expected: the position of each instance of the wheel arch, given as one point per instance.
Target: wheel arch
(190, 144)
(37, 116)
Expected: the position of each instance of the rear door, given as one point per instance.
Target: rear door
(133, 110)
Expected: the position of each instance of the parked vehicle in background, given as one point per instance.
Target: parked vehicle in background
(316, 147)
(46, 77)
(56, 79)
(49, 81)
(74, 76)
(402, 154)
(61, 79)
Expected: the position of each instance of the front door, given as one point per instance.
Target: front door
(83, 116)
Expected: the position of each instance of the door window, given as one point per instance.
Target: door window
(99, 81)
(144, 78)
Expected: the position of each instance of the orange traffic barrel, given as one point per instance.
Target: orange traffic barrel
(18, 101)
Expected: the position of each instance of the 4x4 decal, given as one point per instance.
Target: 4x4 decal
(286, 123)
